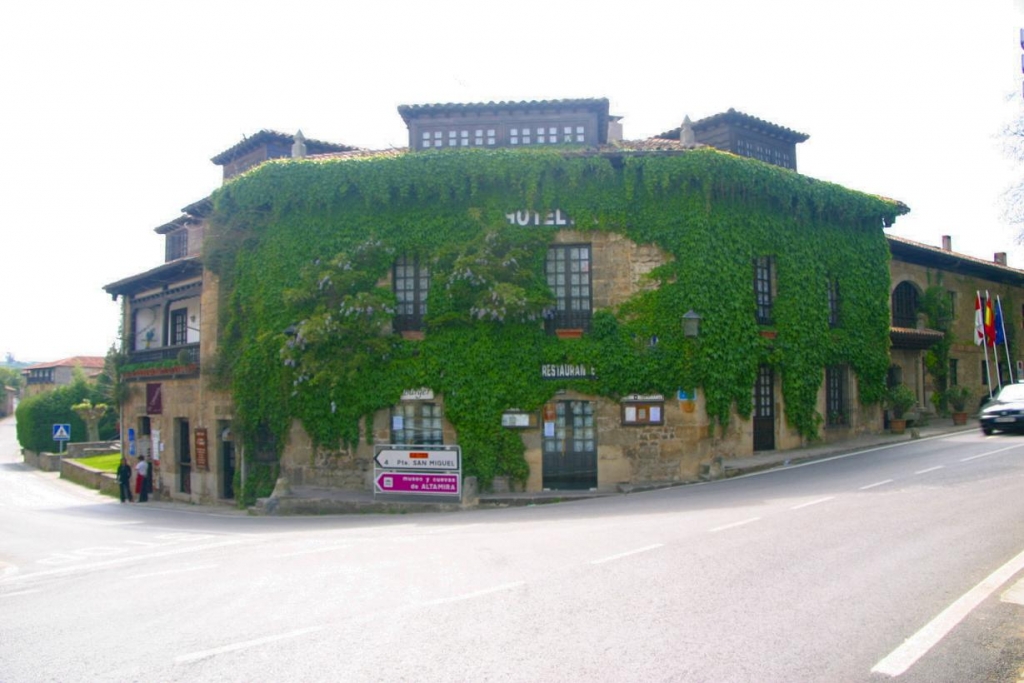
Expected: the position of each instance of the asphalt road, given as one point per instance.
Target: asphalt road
(901, 562)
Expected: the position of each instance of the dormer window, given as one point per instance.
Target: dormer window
(176, 245)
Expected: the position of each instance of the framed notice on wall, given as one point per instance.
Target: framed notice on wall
(202, 459)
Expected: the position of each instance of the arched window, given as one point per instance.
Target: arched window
(905, 305)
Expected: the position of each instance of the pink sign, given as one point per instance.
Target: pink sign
(420, 484)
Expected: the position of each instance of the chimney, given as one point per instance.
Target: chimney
(686, 135)
(947, 243)
(614, 129)
(299, 146)
(1000, 258)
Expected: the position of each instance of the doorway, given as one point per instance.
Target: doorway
(764, 409)
(570, 446)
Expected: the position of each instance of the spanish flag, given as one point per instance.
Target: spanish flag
(990, 322)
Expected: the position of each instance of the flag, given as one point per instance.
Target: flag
(979, 326)
(990, 323)
(1000, 337)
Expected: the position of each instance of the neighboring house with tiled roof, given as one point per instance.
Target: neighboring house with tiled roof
(7, 397)
(914, 268)
(45, 376)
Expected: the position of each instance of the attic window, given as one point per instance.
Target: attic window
(176, 245)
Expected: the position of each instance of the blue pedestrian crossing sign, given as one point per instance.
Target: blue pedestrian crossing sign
(62, 432)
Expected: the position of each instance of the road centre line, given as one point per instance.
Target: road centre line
(813, 502)
(916, 646)
(24, 592)
(619, 556)
(877, 483)
(176, 571)
(311, 551)
(119, 560)
(203, 654)
(734, 524)
(474, 594)
(985, 455)
(930, 469)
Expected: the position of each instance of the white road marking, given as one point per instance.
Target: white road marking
(627, 553)
(877, 483)
(985, 455)
(120, 560)
(474, 594)
(813, 502)
(176, 571)
(1014, 594)
(312, 550)
(930, 469)
(734, 524)
(203, 654)
(916, 646)
(27, 592)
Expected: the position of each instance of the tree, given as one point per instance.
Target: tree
(11, 377)
(91, 416)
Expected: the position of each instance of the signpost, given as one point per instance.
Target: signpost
(61, 433)
(417, 472)
(420, 484)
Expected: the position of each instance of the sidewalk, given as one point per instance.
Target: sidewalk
(310, 500)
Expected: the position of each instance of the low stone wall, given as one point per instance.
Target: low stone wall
(47, 462)
(90, 477)
(85, 449)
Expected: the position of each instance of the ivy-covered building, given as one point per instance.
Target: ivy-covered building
(573, 309)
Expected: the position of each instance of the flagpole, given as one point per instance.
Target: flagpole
(995, 352)
(979, 337)
(1006, 342)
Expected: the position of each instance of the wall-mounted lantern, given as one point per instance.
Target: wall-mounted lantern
(691, 323)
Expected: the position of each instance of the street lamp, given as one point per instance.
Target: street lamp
(691, 323)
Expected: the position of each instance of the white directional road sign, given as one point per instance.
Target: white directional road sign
(61, 432)
(394, 457)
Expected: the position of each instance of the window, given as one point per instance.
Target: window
(411, 281)
(568, 275)
(416, 423)
(836, 405)
(179, 326)
(952, 304)
(905, 305)
(176, 245)
(833, 302)
(40, 376)
(764, 267)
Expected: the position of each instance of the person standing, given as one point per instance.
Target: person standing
(124, 479)
(141, 487)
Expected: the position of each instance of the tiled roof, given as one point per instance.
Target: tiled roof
(361, 154)
(268, 136)
(902, 247)
(909, 338)
(742, 120)
(649, 145)
(85, 362)
(163, 275)
(411, 111)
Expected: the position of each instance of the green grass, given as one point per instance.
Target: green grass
(107, 462)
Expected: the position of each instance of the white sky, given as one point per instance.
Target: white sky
(112, 110)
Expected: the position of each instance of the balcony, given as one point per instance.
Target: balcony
(168, 362)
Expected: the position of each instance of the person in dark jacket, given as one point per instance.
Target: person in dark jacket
(124, 479)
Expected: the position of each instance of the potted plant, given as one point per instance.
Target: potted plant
(899, 400)
(957, 398)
